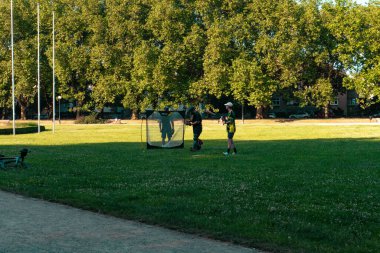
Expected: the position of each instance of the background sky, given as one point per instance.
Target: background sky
(361, 1)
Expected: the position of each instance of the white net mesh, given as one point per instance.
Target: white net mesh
(165, 129)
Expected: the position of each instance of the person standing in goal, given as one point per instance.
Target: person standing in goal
(166, 126)
(231, 128)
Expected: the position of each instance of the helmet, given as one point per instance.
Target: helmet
(229, 104)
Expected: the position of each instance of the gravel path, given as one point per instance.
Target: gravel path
(32, 225)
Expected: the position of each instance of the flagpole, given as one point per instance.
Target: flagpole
(53, 73)
(13, 75)
(38, 66)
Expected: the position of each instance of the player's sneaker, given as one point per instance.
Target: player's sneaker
(225, 153)
(233, 153)
(200, 142)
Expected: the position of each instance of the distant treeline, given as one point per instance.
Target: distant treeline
(151, 53)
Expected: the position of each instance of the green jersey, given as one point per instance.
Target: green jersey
(230, 120)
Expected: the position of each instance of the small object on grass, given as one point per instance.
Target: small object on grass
(17, 161)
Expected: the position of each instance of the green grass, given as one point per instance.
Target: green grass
(21, 128)
(290, 188)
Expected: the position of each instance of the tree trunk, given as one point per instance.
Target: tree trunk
(326, 111)
(78, 109)
(135, 115)
(242, 112)
(101, 113)
(50, 111)
(260, 112)
(23, 112)
(77, 114)
(3, 114)
(49, 103)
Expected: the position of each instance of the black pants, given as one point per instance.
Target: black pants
(196, 133)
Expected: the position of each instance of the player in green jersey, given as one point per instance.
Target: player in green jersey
(229, 120)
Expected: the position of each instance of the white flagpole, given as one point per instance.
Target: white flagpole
(53, 73)
(13, 75)
(38, 66)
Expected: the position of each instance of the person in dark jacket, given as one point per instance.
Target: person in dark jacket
(196, 122)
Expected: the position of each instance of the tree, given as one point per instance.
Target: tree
(174, 33)
(25, 45)
(268, 44)
(322, 70)
(358, 30)
(105, 86)
(169, 57)
(140, 91)
(249, 83)
(5, 57)
(320, 94)
(73, 52)
(194, 46)
(126, 33)
(151, 53)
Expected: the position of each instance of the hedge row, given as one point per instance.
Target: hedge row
(21, 130)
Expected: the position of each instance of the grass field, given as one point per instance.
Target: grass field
(290, 188)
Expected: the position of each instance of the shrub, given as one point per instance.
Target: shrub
(90, 119)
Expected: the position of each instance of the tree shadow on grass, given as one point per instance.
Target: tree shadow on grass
(303, 195)
(22, 130)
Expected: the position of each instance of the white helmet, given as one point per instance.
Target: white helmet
(229, 104)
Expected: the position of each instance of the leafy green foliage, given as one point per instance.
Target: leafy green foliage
(151, 53)
(319, 95)
(361, 52)
(249, 83)
(25, 45)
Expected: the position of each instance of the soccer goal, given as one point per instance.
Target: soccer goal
(165, 129)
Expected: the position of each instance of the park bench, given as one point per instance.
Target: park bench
(17, 161)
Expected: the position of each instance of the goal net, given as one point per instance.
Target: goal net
(165, 129)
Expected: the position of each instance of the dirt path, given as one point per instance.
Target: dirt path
(32, 225)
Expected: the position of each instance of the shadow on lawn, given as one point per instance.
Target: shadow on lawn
(285, 154)
(304, 195)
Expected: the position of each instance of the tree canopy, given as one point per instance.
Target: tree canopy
(150, 53)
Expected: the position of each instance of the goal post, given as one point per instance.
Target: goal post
(165, 129)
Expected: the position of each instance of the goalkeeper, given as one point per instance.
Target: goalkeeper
(196, 122)
(166, 126)
(231, 128)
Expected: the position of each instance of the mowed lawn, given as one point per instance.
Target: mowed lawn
(291, 188)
